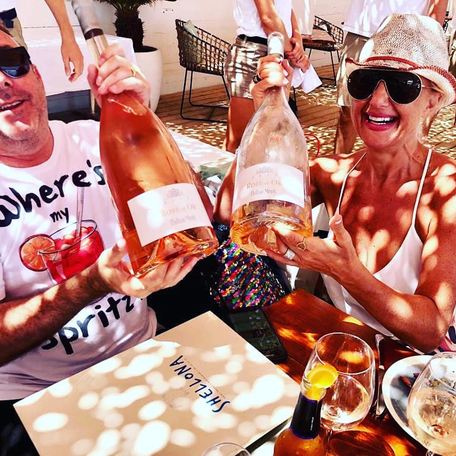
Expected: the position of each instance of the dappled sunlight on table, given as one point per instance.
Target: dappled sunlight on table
(353, 321)
(162, 397)
(358, 443)
(303, 338)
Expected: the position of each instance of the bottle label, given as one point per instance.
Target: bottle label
(269, 181)
(167, 210)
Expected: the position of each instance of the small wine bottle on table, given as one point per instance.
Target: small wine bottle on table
(158, 206)
(304, 437)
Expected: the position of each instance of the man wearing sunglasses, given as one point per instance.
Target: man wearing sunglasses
(52, 328)
(73, 61)
(361, 21)
(390, 256)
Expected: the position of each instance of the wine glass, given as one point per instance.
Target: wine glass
(349, 399)
(431, 408)
(226, 449)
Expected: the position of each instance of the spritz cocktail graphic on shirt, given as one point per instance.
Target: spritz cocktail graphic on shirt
(63, 253)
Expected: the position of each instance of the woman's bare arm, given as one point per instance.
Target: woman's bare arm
(420, 319)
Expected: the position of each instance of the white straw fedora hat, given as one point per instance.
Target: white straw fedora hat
(414, 43)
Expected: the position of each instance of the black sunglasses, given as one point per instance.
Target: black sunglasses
(402, 87)
(14, 62)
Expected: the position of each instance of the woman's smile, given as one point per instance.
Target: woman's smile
(380, 122)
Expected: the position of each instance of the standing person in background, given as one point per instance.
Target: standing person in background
(73, 61)
(362, 20)
(256, 19)
(308, 17)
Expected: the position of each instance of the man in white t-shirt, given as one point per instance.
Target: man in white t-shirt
(362, 20)
(73, 61)
(60, 316)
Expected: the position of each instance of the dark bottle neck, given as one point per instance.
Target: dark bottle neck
(87, 18)
(305, 423)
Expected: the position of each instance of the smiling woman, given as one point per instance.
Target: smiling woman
(389, 259)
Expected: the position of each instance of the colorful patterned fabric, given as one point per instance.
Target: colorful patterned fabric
(241, 279)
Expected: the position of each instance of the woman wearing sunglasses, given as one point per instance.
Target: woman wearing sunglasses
(390, 257)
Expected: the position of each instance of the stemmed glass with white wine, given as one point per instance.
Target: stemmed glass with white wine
(348, 400)
(431, 408)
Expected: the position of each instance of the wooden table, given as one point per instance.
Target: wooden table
(300, 319)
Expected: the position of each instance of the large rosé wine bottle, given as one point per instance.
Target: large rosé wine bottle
(272, 175)
(159, 209)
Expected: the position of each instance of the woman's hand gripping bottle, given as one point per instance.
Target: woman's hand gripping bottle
(272, 176)
(303, 437)
(158, 206)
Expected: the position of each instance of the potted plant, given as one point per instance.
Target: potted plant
(129, 25)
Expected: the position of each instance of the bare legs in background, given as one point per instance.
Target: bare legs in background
(240, 112)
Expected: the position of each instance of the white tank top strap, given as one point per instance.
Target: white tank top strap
(342, 188)
(420, 187)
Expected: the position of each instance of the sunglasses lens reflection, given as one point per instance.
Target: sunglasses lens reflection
(14, 62)
(403, 87)
(15, 71)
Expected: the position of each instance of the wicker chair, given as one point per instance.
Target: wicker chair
(201, 52)
(325, 37)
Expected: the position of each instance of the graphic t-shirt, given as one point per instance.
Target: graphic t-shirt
(38, 208)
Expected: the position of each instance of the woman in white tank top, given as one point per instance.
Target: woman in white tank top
(390, 259)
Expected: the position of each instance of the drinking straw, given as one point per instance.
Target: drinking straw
(79, 211)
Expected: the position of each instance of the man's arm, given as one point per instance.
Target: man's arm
(71, 54)
(25, 323)
(438, 9)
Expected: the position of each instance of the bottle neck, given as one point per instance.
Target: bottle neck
(305, 423)
(96, 42)
(88, 21)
